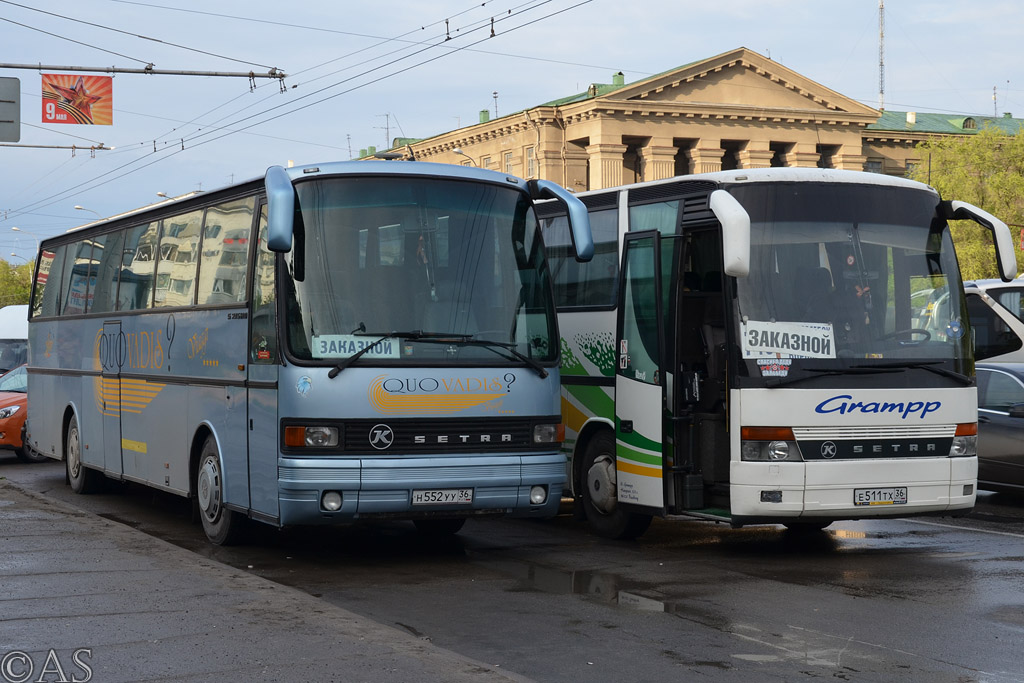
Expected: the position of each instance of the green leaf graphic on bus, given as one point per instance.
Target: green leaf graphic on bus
(570, 363)
(599, 349)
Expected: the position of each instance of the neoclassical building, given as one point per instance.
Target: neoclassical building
(736, 110)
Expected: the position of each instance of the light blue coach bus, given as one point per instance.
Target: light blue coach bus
(354, 340)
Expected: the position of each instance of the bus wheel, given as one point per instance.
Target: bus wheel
(222, 526)
(26, 453)
(600, 493)
(81, 478)
(438, 527)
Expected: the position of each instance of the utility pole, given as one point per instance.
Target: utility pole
(387, 129)
(881, 55)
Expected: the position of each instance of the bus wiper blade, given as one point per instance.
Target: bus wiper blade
(928, 365)
(469, 340)
(511, 348)
(414, 334)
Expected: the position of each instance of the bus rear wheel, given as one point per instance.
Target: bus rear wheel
(600, 493)
(222, 526)
(82, 479)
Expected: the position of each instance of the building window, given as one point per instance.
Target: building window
(873, 165)
(485, 162)
(912, 167)
(531, 162)
(508, 162)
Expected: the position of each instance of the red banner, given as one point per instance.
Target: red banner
(86, 100)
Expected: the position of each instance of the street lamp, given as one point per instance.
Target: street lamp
(27, 232)
(82, 208)
(458, 150)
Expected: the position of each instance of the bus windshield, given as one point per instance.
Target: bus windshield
(421, 269)
(854, 277)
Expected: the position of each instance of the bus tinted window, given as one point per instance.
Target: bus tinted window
(74, 282)
(225, 252)
(584, 284)
(264, 300)
(105, 266)
(44, 301)
(138, 262)
(177, 259)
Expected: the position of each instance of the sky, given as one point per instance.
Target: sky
(361, 73)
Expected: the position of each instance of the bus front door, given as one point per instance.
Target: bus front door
(639, 378)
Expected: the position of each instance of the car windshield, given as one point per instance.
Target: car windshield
(15, 381)
(845, 275)
(422, 270)
(13, 352)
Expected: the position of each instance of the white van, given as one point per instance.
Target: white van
(996, 310)
(13, 337)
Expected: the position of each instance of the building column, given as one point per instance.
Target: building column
(850, 158)
(658, 161)
(605, 165)
(756, 154)
(804, 155)
(707, 156)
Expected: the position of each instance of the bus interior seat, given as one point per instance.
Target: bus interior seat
(812, 289)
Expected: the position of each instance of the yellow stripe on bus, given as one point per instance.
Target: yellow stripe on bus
(137, 446)
(630, 468)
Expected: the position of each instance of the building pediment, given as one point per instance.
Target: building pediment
(738, 79)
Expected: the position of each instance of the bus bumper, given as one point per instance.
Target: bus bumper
(383, 488)
(785, 492)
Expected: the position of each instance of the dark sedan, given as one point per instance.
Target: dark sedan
(1001, 426)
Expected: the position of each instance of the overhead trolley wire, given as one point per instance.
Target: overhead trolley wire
(197, 139)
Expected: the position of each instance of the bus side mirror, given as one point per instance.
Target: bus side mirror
(735, 233)
(280, 209)
(1005, 256)
(579, 220)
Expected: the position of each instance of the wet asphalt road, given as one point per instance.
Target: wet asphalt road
(909, 600)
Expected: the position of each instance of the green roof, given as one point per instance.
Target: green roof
(947, 124)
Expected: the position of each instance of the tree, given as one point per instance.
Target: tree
(15, 283)
(987, 170)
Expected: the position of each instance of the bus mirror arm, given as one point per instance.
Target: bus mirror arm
(579, 220)
(1005, 256)
(735, 223)
(280, 209)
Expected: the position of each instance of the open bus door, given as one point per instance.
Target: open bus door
(639, 378)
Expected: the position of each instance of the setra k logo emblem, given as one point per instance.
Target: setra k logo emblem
(828, 450)
(381, 437)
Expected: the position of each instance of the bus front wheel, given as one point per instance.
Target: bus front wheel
(81, 478)
(600, 493)
(222, 526)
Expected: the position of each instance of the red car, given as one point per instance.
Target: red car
(13, 408)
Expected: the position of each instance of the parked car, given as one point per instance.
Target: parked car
(13, 409)
(1001, 426)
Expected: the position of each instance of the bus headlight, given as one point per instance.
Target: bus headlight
(331, 501)
(965, 442)
(549, 433)
(538, 494)
(769, 444)
(311, 437)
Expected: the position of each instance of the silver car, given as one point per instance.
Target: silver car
(1001, 426)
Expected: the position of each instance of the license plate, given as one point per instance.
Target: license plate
(896, 495)
(442, 497)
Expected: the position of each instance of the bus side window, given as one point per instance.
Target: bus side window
(264, 300)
